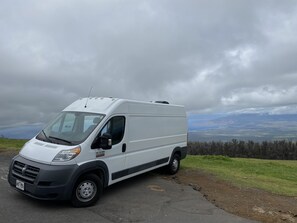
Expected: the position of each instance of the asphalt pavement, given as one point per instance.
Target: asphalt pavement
(145, 198)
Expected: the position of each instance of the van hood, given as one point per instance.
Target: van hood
(42, 152)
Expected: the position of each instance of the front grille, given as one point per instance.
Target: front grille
(25, 172)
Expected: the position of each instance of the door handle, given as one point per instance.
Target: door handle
(124, 147)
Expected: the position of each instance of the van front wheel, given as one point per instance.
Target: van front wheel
(87, 191)
(174, 164)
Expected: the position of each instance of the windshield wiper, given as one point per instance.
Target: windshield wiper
(63, 140)
(45, 136)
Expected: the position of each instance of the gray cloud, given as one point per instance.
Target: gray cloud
(211, 56)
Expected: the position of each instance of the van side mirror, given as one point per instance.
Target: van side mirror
(103, 142)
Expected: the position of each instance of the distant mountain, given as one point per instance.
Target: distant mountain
(257, 127)
(209, 127)
(21, 132)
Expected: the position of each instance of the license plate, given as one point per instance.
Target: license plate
(20, 185)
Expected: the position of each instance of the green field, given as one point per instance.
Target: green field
(276, 176)
(11, 144)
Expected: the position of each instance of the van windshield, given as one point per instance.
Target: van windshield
(70, 128)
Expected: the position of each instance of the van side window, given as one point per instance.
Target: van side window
(116, 128)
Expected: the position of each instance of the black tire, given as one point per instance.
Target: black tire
(87, 190)
(174, 164)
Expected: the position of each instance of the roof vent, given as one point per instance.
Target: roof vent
(162, 102)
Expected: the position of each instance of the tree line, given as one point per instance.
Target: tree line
(276, 150)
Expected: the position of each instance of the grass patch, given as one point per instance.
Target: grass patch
(11, 144)
(276, 176)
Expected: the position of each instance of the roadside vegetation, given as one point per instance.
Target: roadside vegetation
(273, 150)
(11, 144)
(275, 176)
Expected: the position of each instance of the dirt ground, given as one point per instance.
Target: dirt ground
(245, 202)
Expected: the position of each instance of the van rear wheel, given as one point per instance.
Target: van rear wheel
(87, 191)
(174, 164)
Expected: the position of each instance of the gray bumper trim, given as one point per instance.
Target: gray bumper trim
(50, 182)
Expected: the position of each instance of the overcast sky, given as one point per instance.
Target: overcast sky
(211, 56)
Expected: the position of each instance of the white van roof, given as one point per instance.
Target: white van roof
(106, 105)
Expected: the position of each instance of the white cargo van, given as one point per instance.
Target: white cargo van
(96, 142)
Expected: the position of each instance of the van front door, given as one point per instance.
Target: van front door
(115, 158)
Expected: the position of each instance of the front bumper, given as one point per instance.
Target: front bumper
(42, 181)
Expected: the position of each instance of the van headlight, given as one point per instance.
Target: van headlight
(66, 155)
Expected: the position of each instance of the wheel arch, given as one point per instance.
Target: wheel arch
(98, 168)
(181, 151)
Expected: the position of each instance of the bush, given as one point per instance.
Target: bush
(276, 150)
